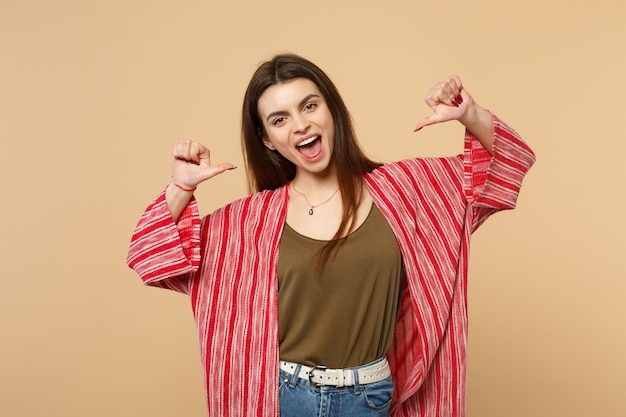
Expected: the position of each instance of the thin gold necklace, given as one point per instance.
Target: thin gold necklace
(309, 203)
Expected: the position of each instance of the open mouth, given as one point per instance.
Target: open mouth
(310, 147)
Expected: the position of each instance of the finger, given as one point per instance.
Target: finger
(448, 94)
(175, 151)
(444, 94)
(426, 121)
(453, 87)
(226, 166)
(220, 168)
(454, 82)
(190, 151)
(199, 153)
(459, 89)
(181, 150)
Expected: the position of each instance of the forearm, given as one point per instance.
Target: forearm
(177, 200)
(479, 121)
(161, 250)
(497, 178)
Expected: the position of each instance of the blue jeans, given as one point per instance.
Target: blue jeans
(299, 398)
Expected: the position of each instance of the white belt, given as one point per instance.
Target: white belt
(319, 375)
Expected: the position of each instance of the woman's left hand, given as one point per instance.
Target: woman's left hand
(449, 101)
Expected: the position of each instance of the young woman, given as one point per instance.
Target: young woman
(338, 287)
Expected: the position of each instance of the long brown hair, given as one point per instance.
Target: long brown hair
(268, 170)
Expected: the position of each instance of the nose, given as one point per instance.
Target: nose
(300, 123)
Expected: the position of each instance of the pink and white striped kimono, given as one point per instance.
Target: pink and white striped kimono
(227, 263)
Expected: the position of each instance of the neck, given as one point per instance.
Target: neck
(315, 184)
(311, 204)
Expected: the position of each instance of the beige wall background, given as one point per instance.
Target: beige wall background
(93, 95)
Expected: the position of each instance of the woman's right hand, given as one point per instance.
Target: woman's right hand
(192, 164)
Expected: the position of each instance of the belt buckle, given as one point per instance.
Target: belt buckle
(316, 368)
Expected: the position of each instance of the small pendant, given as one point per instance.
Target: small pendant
(311, 211)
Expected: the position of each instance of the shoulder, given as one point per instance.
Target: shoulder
(417, 169)
(249, 221)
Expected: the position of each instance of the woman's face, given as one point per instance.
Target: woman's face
(298, 124)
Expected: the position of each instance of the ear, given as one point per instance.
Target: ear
(266, 141)
(268, 144)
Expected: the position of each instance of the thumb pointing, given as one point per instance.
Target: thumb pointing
(426, 121)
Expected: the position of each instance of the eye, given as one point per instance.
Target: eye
(278, 121)
(310, 106)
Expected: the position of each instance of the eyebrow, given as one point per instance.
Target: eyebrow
(302, 102)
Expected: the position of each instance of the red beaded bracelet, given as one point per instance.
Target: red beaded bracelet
(189, 190)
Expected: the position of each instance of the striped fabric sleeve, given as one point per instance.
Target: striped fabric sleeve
(166, 254)
(493, 181)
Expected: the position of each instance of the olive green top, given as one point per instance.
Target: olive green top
(346, 316)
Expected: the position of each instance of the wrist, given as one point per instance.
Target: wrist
(182, 186)
(472, 115)
(479, 122)
(476, 118)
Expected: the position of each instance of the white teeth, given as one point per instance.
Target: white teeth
(309, 140)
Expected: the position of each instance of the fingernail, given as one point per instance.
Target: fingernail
(417, 129)
(459, 99)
